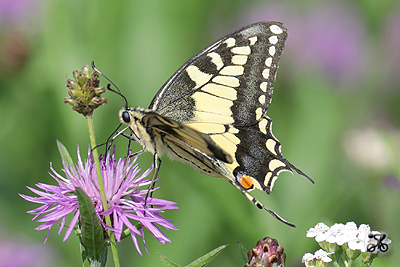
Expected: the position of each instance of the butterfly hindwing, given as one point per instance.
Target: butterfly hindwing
(259, 155)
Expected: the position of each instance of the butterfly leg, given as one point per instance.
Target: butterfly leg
(157, 164)
(137, 153)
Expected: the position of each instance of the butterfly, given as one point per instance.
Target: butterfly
(211, 114)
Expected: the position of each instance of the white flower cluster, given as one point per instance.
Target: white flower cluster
(320, 254)
(343, 243)
(361, 238)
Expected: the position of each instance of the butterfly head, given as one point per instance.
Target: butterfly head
(132, 117)
(125, 116)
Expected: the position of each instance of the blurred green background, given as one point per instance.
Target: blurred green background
(335, 110)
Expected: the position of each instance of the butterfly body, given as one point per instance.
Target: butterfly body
(158, 134)
(211, 114)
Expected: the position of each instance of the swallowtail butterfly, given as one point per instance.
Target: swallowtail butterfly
(211, 114)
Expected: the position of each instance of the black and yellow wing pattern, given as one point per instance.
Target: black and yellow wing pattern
(211, 114)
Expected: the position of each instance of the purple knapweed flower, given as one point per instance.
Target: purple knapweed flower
(126, 201)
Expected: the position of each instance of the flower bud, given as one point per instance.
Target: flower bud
(267, 253)
(84, 91)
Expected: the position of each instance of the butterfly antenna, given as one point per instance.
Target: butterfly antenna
(118, 92)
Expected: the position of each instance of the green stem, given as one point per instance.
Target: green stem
(348, 263)
(101, 185)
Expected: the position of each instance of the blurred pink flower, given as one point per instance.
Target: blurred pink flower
(18, 20)
(16, 253)
(329, 37)
(17, 12)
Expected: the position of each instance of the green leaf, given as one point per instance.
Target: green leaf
(243, 252)
(167, 262)
(93, 248)
(87, 262)
(206, 259)
(64, 154)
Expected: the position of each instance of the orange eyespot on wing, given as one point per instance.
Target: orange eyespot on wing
(246, 181)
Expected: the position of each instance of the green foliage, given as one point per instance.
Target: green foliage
(93, 246)
(200, 262)
(167, 262)
(243, 252)
(65, 156)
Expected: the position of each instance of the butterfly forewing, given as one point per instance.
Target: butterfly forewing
(229, 82)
